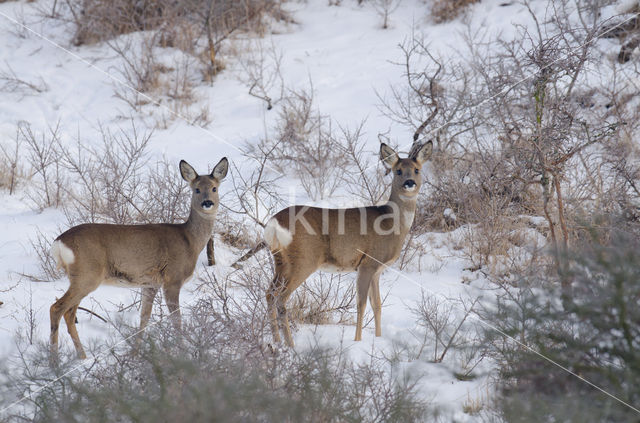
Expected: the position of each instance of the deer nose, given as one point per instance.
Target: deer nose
(207, 204)
(409, 183)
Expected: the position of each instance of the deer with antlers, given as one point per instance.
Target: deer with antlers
(150, 256)
(303, 239)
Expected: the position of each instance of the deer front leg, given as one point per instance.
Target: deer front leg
(172, 298)
(375, 301)
(148, 296)
(363, 282)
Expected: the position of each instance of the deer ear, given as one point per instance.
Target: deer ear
(388, 156)
(187, 172)
(423, 153)
(220, 171)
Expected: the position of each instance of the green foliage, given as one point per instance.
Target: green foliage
(593, 332)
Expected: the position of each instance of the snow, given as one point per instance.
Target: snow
(350, 62)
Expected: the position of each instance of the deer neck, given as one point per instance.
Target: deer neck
(406, 207)
(199, 227)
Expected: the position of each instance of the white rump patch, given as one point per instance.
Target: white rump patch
(276, 236)
(62, 254)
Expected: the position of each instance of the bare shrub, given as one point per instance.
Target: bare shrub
(519, 128)
(167, 196)
(238, 299)
(195, 27)
(167, 381)
(11, 169)
(47, 265)
(108, 179)
(140, 71)
(114, 182)
(323, 158)
(134, 30)
(324, 299)
(181, 82)
(385, 8)
(362, 175)
(305, 142)
(627, 31)
(221, 365)
(412, 251)
(261, 72)
(441, 320)
(99, 20)
(29, 317)
(447, 10)
(12, 83)
(44, 155)
(257, 195)
(165, 80)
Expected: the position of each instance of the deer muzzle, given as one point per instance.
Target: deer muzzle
(409, 185)
(207, 204)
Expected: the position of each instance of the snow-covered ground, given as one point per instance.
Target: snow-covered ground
(350, 60)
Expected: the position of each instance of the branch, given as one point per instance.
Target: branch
(95, 314)
(434, 103)
(252, 252)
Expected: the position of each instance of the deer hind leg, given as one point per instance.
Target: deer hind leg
(70, 320)
(301, 273)
(283, 317)
(286, 281)
(376, 302)
(55, 314)
(272, 313)
(70, 300)
(277, 297)
(363, 283)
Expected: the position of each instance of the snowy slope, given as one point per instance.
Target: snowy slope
(349, 59)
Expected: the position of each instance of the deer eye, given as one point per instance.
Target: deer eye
(416, 171)
(214, 189)
(197, 191)
(398, 172)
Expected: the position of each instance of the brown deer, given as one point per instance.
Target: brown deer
(148, 256)
(303, 239)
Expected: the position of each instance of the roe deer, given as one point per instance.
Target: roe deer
(304, 239)
(148, 256)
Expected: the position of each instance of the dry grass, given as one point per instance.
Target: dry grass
(181, 23)
(447, 10)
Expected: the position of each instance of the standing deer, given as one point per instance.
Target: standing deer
(149, 256)
(303, 239)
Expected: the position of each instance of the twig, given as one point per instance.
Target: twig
(95, 314)
(249, 254)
